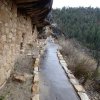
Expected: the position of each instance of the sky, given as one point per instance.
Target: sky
(76, 3)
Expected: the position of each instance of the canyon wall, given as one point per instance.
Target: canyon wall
(16, 36)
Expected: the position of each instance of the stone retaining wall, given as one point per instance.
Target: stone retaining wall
(16, 36)
(78, 88)
(35, 87)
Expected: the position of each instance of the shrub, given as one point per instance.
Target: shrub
(81, 64)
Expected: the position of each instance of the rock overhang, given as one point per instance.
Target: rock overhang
(36, 9)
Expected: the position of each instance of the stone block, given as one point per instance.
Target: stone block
(19, 78)
(74, 81)
(60, 55)
(61, 58)
(62, 62)
(68, 72)
(28, 76)
(35, 88)
(7, 30)
(36, 63)
(8, 73)
(4, 39)
(36, 69)
(6, 24)
(37, 60)
(36, 78)
(79, 88)
(1, 48)
(35, 97)
(71, 76)
(65, 69)
(83, 96)
(35, 72)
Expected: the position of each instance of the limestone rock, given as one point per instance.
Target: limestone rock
(35, 97)
(36, 63)
(60, 56)
(58, 52)
(71, 76)
(36, 78)
(27, 76)
(19, 78)
(35, 72)
(74, 81)
(35, 88)
(83, 96)
(62, 61)
(69, 72)
(64, 64)
(36, 69)
(79, 88)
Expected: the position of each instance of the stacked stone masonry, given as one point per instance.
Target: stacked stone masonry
(78, 88)
(16, 35)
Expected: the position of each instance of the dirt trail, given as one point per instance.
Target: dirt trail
(14, 90)
(54, 84)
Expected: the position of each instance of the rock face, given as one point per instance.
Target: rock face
(83, 96)
(16, 35)
(21, 77)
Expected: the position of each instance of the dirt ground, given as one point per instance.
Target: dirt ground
(14, 90)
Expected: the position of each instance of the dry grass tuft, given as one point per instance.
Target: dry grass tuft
(81, 64)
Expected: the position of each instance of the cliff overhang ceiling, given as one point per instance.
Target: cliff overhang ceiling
(36, 9)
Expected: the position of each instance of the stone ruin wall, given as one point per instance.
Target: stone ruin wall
(16, 33)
